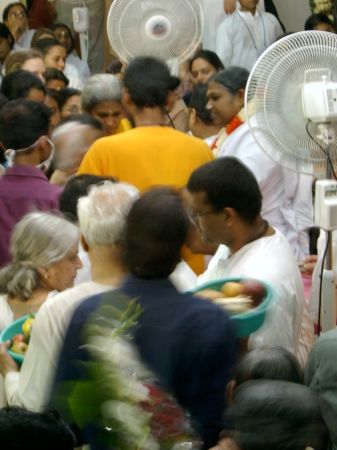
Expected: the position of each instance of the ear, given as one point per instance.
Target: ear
(84, 243)
(192, 116)
(230, 391)
(229, 213)
(126, 98)
(241, 96)
(43, 146)
(43, 272)
(170, 100)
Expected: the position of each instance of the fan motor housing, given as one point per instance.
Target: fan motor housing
(319, 100)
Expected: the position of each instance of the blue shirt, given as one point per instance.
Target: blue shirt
(187, 342)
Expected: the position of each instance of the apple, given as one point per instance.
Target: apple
(19, 347)
(18, 338)
(232, 289)
(255, 290)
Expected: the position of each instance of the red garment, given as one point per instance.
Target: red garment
(41, 14)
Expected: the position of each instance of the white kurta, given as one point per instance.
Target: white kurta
(30, 387)
(25, 39)
(241, 37)
(214, 14)
(287, 196)
(270, 259)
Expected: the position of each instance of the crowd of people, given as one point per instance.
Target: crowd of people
(122, 194)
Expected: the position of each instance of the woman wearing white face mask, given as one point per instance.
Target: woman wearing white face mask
(24, 127)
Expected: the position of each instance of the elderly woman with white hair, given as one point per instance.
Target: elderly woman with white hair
(101, 97)
(102, 218)
(44, 260)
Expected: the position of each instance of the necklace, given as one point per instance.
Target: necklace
(250, 33)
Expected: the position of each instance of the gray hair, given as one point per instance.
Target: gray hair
(38, 240)
(102, 214)
(100, 88)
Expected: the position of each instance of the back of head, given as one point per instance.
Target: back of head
(277, 415)
(76, 188)
(99, 88)
(198, 102)
(55, 74)
(315, 19)
(233, 78)
(33, 119)
(38, 240)
(18, 84)
(41, 33)
(102, 213)
(21, 429)
(16, 60)
(269, 363)
(45, 44)
(157, 228)
(228, 183)
(148, 82)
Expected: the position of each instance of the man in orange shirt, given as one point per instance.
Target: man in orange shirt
(151, 153)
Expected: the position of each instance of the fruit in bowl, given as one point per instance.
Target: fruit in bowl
(236, 296)
(20, 341)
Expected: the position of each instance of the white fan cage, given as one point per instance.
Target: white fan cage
(274, 100)
(166, 29)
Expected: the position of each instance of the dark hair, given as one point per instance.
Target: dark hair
(315, 19)
(63, 25)
(277, 415)
(156, 230)
(74, 189)
(228, 183)
(114, 67)
(198, 102)
(66, 93)
(18, 84)
(269, 363)
(5, 12)
(55, 74)
(44, 45)
(233, 78)
(21, 429)
(55, 95)
(6, 34)
(32, 117)
(209, 56)
(40, 32)
(148, 82)
(83, 119)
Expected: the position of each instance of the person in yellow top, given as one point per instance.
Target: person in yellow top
(101, 98)
(151, 153)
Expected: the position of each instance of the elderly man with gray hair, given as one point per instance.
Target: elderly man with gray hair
(72, 139)
(102, 217)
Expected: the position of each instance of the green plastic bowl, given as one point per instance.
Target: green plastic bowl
(248, 322)
(13, 329)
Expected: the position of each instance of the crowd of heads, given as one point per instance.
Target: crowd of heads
(270, 407)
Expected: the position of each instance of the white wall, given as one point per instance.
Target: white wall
(293, 13)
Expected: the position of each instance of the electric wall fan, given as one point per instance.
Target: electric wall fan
(167, 29)
(291, 107)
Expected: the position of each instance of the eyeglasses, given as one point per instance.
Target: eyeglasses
(196, 215)
(17, 15)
